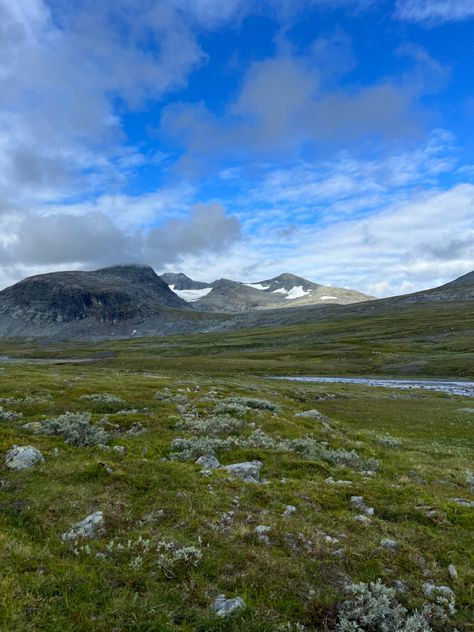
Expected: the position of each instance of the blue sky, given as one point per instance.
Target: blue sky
(239, 139)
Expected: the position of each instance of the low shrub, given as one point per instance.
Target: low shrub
(76, 429)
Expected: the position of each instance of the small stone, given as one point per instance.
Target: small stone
(119, 449)
(389, 544)
(248, 471)
(208, 462)
(23, 457)
(224, 607)
(358, 501)
(399, 585)
(312, 414)
(361, 518)
(289, 510)
(431, 590)
(262, 531)
(86, 528)
(339, 553)
(453, 571)
(463, 502)
(331, 481)
(107, 468)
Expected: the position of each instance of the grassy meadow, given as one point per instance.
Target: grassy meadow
(175, 537)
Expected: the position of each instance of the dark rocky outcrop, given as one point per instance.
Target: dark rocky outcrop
(110, 295)
(180, 281)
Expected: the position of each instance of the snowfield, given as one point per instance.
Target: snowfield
(257, 286)
(191, 295)
(296, 292)
(328, 298)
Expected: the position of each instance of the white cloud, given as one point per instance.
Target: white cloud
(435, 11)
(284, 105)
(61, 74)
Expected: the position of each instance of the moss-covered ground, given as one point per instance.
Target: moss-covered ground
(126, 578)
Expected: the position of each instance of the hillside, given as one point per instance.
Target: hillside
(285, 290)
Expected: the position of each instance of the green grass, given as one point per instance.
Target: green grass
(296, 578)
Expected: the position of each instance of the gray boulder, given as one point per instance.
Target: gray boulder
(23, 457)
(389, 545)
(248, 471)
(208, 462)
(224, 607)
(86, 528)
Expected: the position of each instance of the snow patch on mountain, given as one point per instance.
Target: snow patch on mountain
(328, 298)
(191, 295)
(296, 292)
(257, 286)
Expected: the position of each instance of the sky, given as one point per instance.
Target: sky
(333, 139)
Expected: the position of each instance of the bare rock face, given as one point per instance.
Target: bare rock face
(180, 281)
(110, 295)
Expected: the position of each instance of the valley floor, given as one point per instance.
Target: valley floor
(372, 484)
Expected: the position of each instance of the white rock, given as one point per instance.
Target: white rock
(208, 462)
(358, 501)
(86, 528)
(431, 590)
(262, 531)
(453, 571)
(223, 606)
(290, 510)
(399, 585)
(463, 502)
(248, 471)
(331, 481)
(311, 414)
(361, 518)
(119, 449)
(22, 457)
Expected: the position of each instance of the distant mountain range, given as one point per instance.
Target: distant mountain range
(131, 300)
(285, 290)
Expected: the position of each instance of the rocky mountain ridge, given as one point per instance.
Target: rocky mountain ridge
(127, 301)
(285, 290)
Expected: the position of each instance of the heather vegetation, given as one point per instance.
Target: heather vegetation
(310, 507)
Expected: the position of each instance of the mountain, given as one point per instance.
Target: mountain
(79, 304)
(285, 290)
(179, 281)
(234, 297)
(127, 301)
(460, 288)
(295, 290)
(187, 289)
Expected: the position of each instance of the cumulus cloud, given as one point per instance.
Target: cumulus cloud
(61, 239)
(92, 239)
(382, 254)
(283, 105)
(208, 229)
(434, 11)
(62, 70)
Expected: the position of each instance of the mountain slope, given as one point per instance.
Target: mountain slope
(179, 281)
(124, 301)
(285, 290)
(90, 304)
